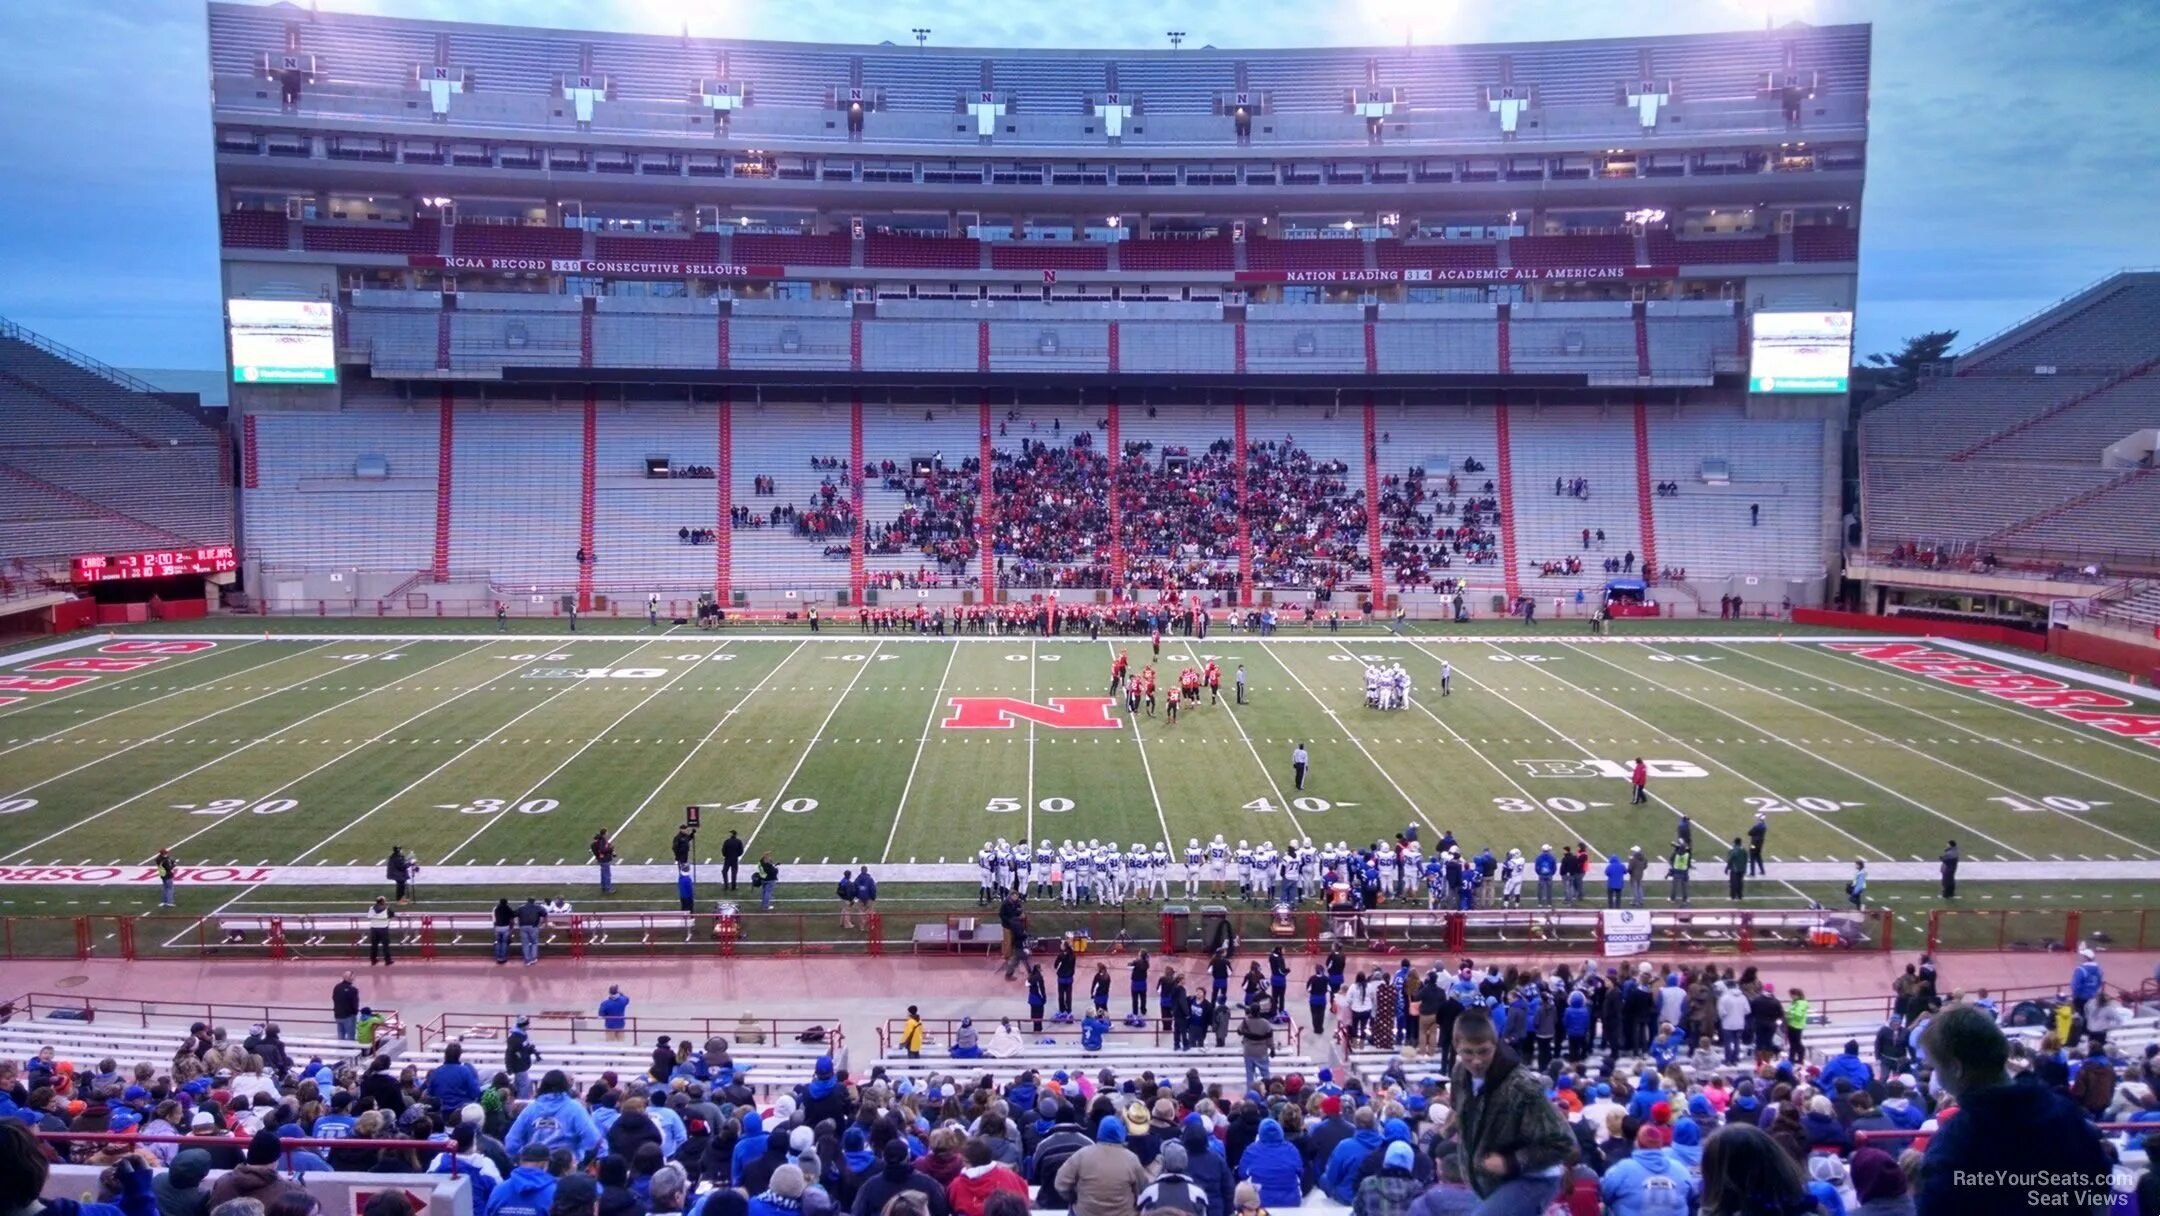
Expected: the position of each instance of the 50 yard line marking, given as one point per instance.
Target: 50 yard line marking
(215, 760)
(1819, 758)
(1145, 767)
(724, 719)
(937, 706)
(869, 660)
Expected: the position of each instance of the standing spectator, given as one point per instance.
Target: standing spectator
(1105, 1178)
(685, 889)
(1757, 832)
(603, 853)
(1736, 868)
(1637, 866)
(345, 1006)
(1856, 889)
(768, 877)
(1512, 1141)
(519, 1055)
(1796, 1016)
(1639, 783)
(399, 870)
(505, 920)
(378, 932)
(911, 1034)
(1616, 873)
(1950, 861)
(529, 919)
(731, 851)
(166, 868)
(2000, 1128)
(1258, 1035)
(612, 1008)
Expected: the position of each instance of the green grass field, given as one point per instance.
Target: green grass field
(322, 748)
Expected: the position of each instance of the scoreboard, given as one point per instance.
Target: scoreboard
(159, 563)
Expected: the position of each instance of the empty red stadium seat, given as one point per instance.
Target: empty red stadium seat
(1211, 254)
(1825, 243)
(698, 247)
(516, 241)
(422, 237)
(930, 252)
(1049, 255)
(1435, 255)
(1572, 249)
(1669, 250)
(791, 248)
(252, 230)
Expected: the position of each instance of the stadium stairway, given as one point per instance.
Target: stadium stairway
(1644, 494)
(1503, 467)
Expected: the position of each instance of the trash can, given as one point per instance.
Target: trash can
(1176, 923)
(1216, 930)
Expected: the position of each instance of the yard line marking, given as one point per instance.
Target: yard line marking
(364, 743)
(1030, 801)
(582, 748)
(1819, 757)
(1145, 766)
(157, 670)
(937, 704)
(1400, 792)
(1706, 755)
(2066, 733)
(1970, 773)
(867, 663)
(1506, 776)
(625, 825)
(169, 730)
(211, 763)
(474, 746)
(1230, 708)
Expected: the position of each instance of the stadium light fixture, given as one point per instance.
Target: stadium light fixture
(922, 35)
(1177, 39)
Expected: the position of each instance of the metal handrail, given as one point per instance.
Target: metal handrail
(10, 329)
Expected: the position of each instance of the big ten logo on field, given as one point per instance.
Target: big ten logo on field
(112, 658)
(1609, 768)
(1002, 713)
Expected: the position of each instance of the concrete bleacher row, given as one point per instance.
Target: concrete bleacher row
(2111, 326)
(88, 1042)
(515, 486)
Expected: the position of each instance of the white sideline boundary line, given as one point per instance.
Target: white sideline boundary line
(1939, 761)
(1818, 756)
(937, 705)
(1700, 751)
(1224, 637)
(121, 751)
(2064, 727)
(364, 744)
(508, 808)
(1146, 767)
(153, 669)
(869, 661)
(624, 826)
(1355, 742)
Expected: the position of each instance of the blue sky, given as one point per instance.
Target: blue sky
(2013, 157)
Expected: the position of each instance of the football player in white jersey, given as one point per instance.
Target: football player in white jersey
(1243, 861)
(1068, 874)
(1218, 861)
(1000, 867)
(1022, 861)
(1192, 867)
(985, 873)
(1511, 872)
(1039, 872)
(1159, 873)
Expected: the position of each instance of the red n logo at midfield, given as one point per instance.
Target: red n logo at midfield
(1000, 713)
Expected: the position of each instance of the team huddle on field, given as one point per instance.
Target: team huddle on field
(1140, 686)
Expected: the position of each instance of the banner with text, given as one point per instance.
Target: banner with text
(1627, 931)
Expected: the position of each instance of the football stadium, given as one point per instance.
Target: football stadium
(778, 536)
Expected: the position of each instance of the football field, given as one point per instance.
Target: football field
(282, 768)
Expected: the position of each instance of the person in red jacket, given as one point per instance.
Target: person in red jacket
(980, 1179)
(1640, 779)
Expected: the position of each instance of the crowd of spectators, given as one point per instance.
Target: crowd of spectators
(1561, 566)
(1618, 1090)
(1050, 513)
(1426, 526)
(1307, 526)
(1178, 514)
(938, 522)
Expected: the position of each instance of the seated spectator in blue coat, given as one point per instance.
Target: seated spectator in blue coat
(1274, 1165)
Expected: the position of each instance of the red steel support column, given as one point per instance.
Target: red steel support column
(1117, 527)
(1506, 481)
(856, 578)
(445, 433)
(1373, 547)
(585, 504)
(1645, 497)
(724, 474)
(985, 546)
(1244, 515)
